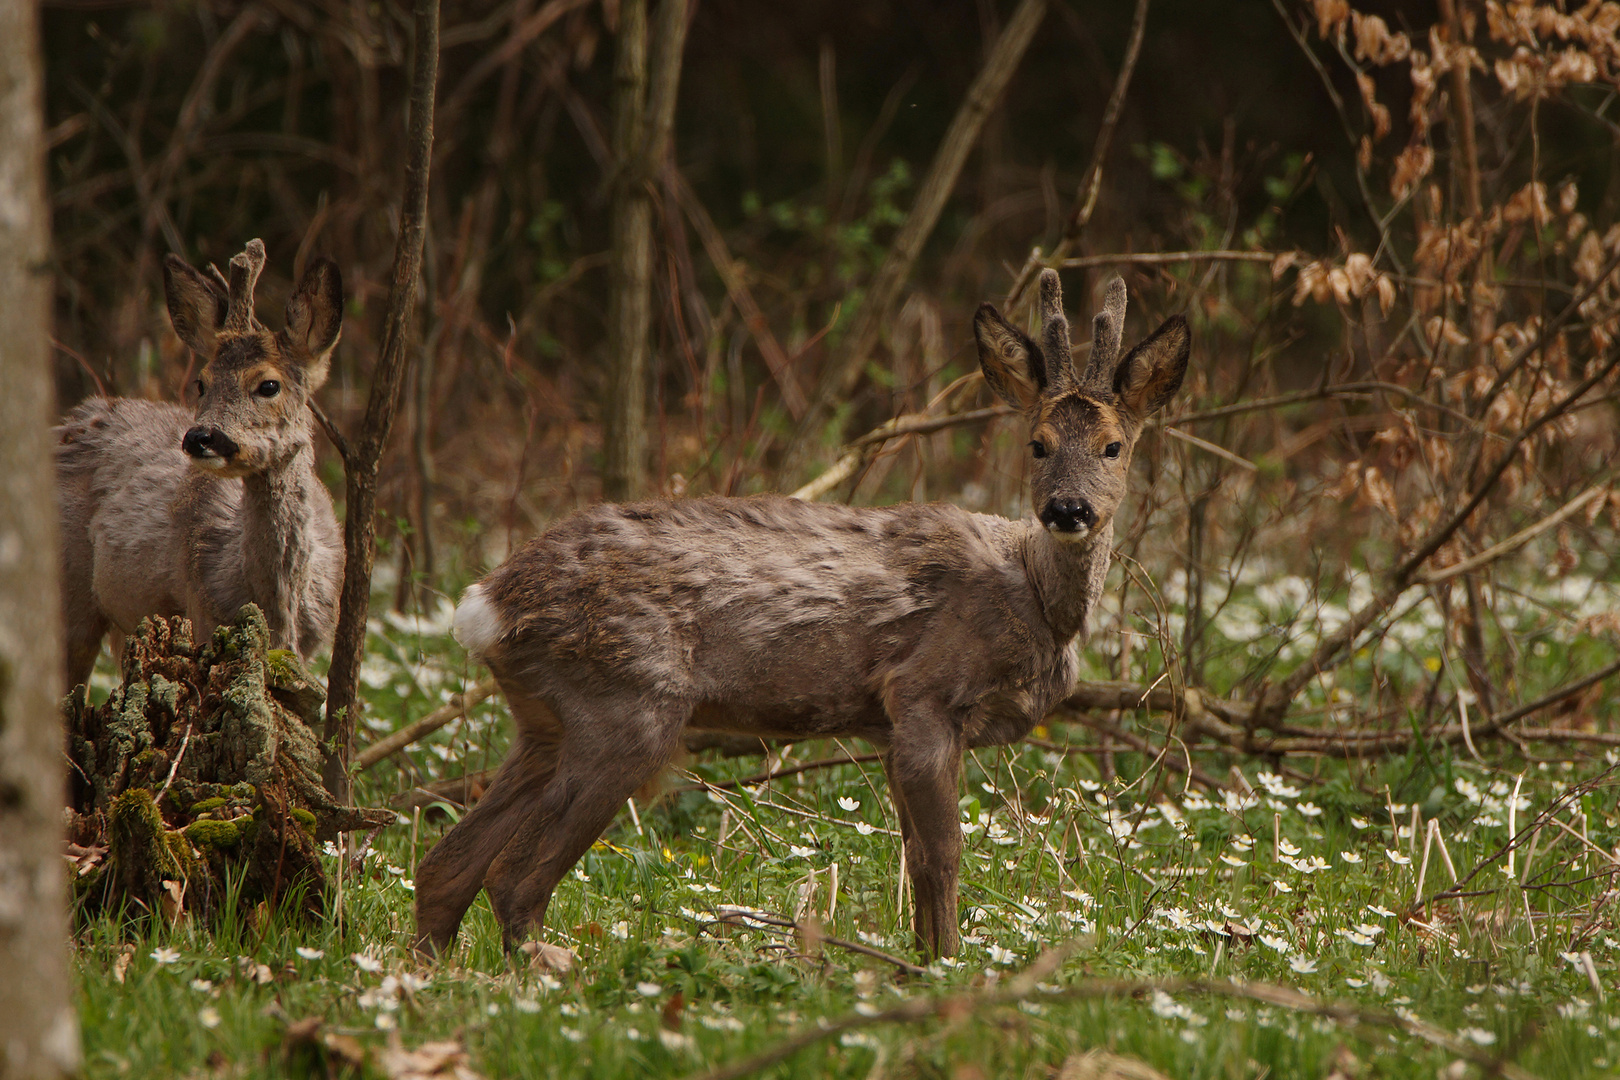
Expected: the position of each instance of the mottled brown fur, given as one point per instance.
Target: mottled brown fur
(924, 629)
(151, 529)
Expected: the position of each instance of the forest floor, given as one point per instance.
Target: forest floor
(1265, 930)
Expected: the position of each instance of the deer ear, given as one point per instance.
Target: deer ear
(315, 315)
(1012, 363)
(196, 304)
(1151, 373)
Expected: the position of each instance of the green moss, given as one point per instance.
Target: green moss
(214, 834)
(184, 856)
(291, 684)
(200, 808)
(138, 845)
(305, 819)
(249, 829)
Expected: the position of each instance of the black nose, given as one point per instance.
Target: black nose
(202, 442)
(1068, 515)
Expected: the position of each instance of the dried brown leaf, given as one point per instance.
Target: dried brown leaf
(1103, 1065)
(547, 957)
(1330, 15)
(1411, 165)
(1375, 43)
(1369, 98)
(430, 1061)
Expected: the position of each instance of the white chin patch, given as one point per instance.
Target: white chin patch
(478, 624)
(212, 464)
(1063, 536)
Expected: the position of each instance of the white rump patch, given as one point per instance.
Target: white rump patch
(478, 624)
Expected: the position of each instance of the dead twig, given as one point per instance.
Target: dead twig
(1275, 700)
(771, 923)
(844, 368)
(731, 274)
(433, 721)
(1026, 985)
(777, 774)
(1161, 258)
(1514, 542)
(1085, 199)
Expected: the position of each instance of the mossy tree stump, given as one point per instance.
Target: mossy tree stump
(203, 767)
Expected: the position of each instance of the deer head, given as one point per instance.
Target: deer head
(254, 385)
(1083, 424)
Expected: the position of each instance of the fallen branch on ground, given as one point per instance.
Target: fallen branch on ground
(1026, 985)
(776, 774)
(433, 721)
(1219, 721)
(771, 923)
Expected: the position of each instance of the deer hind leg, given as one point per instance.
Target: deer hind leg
(923, 783)
(85, 631)
(605, 758)
(448, 879)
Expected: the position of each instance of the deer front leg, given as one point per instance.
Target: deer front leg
(924, 775)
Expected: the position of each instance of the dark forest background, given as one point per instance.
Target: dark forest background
(801, 133)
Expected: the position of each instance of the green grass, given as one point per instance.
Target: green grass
(1150, 879)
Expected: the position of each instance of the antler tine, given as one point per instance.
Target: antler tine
(245, 270)
(1107, 327)
(219, 279)
(1055, 328)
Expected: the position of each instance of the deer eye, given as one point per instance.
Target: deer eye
(202, 388)
(268, 389)
(1111, 450)
(1037, 448)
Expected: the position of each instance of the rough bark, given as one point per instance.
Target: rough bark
(39, 1035)
(643, 116)
(201, 771)
(363, 455)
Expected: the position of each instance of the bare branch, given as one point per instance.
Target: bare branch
(844, 368)
(1160, 258)
(731, 273)
(1514, 542)
(777, 774)
(1027, 985)
(1085, 199)
(433, 721)
(362, 461)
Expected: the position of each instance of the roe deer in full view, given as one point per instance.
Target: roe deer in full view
(924, 629)
(166, 512)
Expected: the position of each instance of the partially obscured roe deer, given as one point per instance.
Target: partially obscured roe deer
(924, 629)
(166, 512)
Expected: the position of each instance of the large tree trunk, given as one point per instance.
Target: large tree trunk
(39, 1035)
(643, 114)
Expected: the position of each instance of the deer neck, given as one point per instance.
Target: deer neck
(278, 507)
(1066, 577)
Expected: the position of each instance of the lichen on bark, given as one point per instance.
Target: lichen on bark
(204, 765)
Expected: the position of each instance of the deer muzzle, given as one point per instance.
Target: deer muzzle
(1069, 519)
(208, 447)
